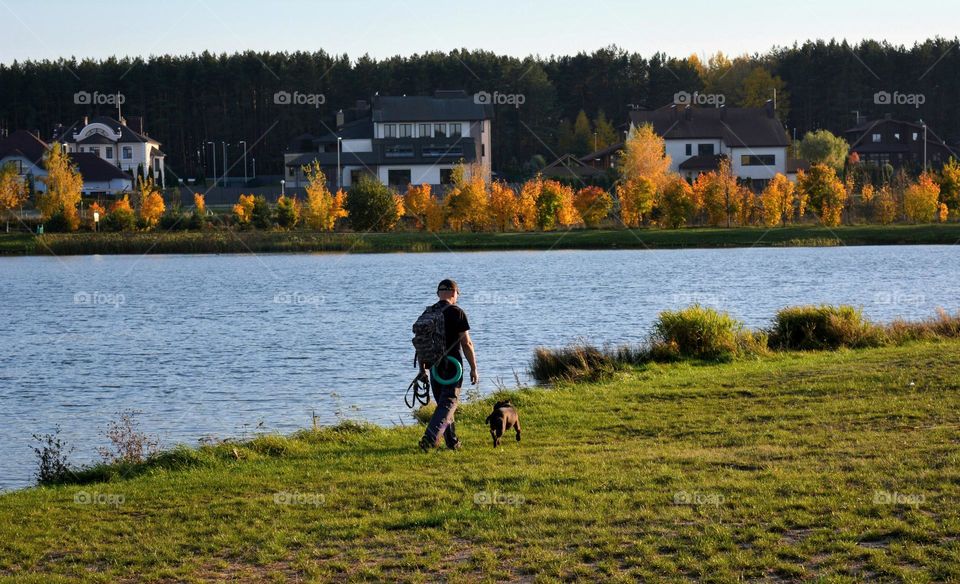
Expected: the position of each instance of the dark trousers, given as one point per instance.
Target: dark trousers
(447, 398)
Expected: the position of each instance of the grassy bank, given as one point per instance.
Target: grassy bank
(304, 241)
(842, 465)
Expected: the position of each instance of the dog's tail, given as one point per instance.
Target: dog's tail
(488, 419)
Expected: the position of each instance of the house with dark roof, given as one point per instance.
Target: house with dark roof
(400, 140)
(898, 143)
(26, 151)
(122, 143)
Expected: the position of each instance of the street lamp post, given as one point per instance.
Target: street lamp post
(214, 148)
(339, 170)
(924, 145)
(244, 142)
(225, 170)
(283, 188)
(254, 161)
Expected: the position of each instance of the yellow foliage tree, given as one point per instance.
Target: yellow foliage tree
(921, 200)
(63, 186)
(436, 215)
(777, 201)
(502, 206)
(527, 203)
(200, 204)
(13, 191)
(825, 192)
(885, 206)
(468, 198)
(323, 208)
(644, 155)
(943, 213)
(636, 200)
(677, 202)
(243, 210)
(417, 204)
(151, 205)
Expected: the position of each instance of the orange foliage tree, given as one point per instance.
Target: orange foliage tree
(921, 200)
(777, 201)
(468, 198)
(502, 207)
(527, 203)
(593, 204)
(636, 200)
(417, 203)
(678, 203)
(152, 206)
(322, 208)
(243, 210)
(644, 155)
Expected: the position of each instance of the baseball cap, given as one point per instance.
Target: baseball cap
(448, 286)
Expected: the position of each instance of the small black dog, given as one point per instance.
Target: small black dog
(503, 418)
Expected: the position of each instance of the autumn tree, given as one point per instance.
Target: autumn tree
(200, 204)
(243, 210)
(288, 212)
(825, 192)
(885, 206)
(644, 156)
(720, 194)
(322, 208)
(417, 203)
(950, 184)
(593, 204)
(151, 206)
(777, 200)
(677, 202)
(502, 206)
(13, 191)
(759, 87)
(120, 217)
(468, 198)
(527, 203)
(921, 200)
(63, 186)
(636, 200)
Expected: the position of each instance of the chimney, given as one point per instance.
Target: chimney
(723, 112)
(86, 121)
(340, 119)
(688, 113)
(769, 108)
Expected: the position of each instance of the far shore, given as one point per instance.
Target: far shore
(241, 242)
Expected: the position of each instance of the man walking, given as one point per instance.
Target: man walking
(446, 377)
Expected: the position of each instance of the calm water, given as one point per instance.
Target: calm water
(225, 346)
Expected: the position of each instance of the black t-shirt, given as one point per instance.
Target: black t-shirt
(455, 322)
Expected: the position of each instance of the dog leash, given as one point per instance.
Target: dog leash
(418, 392)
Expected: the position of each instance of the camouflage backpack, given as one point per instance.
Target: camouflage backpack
(429, 335)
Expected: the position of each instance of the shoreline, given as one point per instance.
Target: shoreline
(244, 242)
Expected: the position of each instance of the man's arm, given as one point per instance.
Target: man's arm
(466, 343)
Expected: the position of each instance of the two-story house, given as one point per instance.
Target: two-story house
(26, 152)
(399, 140)
(697, 139)
(898, 143)
(121, 143)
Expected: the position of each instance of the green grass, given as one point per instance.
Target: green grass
(792, 459)
(305, 241)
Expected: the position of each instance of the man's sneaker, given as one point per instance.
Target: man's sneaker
(458, 445)
(426, 445)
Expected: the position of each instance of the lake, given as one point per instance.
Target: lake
(228, 346)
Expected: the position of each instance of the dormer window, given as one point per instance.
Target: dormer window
(876, 138)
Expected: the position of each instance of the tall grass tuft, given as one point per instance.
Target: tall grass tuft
(580, 362)
(814, 328)
(696, 332)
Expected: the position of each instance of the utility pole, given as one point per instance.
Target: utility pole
(225, 170)
(213, 146)
(244, 142)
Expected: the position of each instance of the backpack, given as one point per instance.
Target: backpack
(429, 335)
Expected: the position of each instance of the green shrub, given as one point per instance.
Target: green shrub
(695, 332)
(119, 220)
(372, 206)
(262, 216)
(807, 328)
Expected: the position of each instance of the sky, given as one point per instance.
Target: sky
(48, 29)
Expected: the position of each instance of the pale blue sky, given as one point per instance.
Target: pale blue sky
(47, 29)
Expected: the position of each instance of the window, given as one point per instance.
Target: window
(357, 174)
(689, 150)
(456, 130)
(758, 160)
(705, 149)
(425, 130)
(127, 153)
(915, 136)
(434, 152)
(399, 178)
(94, 150)
(406, 130)
(876, 138)
(389, 130)
(896, 136)
(440, 130)
(483, 150)
(401, 151)
(109, 152)
(156, 164)
(291, 172)
(446, 176)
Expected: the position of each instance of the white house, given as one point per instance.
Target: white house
(26, 151)
(697, 139)
(400, 140)
(122, 143)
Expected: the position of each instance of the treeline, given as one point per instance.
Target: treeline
(187, 101)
